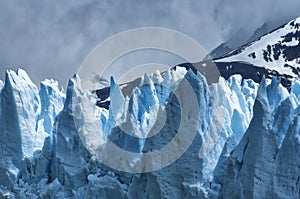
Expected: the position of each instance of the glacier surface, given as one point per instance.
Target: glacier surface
(246, 142)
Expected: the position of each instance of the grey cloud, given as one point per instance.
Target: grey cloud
(238, 20)
(50, 39)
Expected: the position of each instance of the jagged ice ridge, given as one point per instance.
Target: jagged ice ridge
(247, 142)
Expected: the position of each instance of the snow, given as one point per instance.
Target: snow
(259, 46)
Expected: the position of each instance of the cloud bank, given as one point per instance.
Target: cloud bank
(50, 39)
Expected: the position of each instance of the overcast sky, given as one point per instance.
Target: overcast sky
(50, 39)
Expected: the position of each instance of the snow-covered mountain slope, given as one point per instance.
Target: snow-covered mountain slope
(231, 43)
(274, 54)
(223, 116)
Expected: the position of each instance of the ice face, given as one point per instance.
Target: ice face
(20, 107)
(257, 161)
(52, 100)
(238, 123)
(22, 122)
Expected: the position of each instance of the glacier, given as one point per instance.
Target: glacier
(21, 124)
(266, 162)
(246, 142)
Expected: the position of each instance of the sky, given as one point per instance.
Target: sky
(50, 39)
